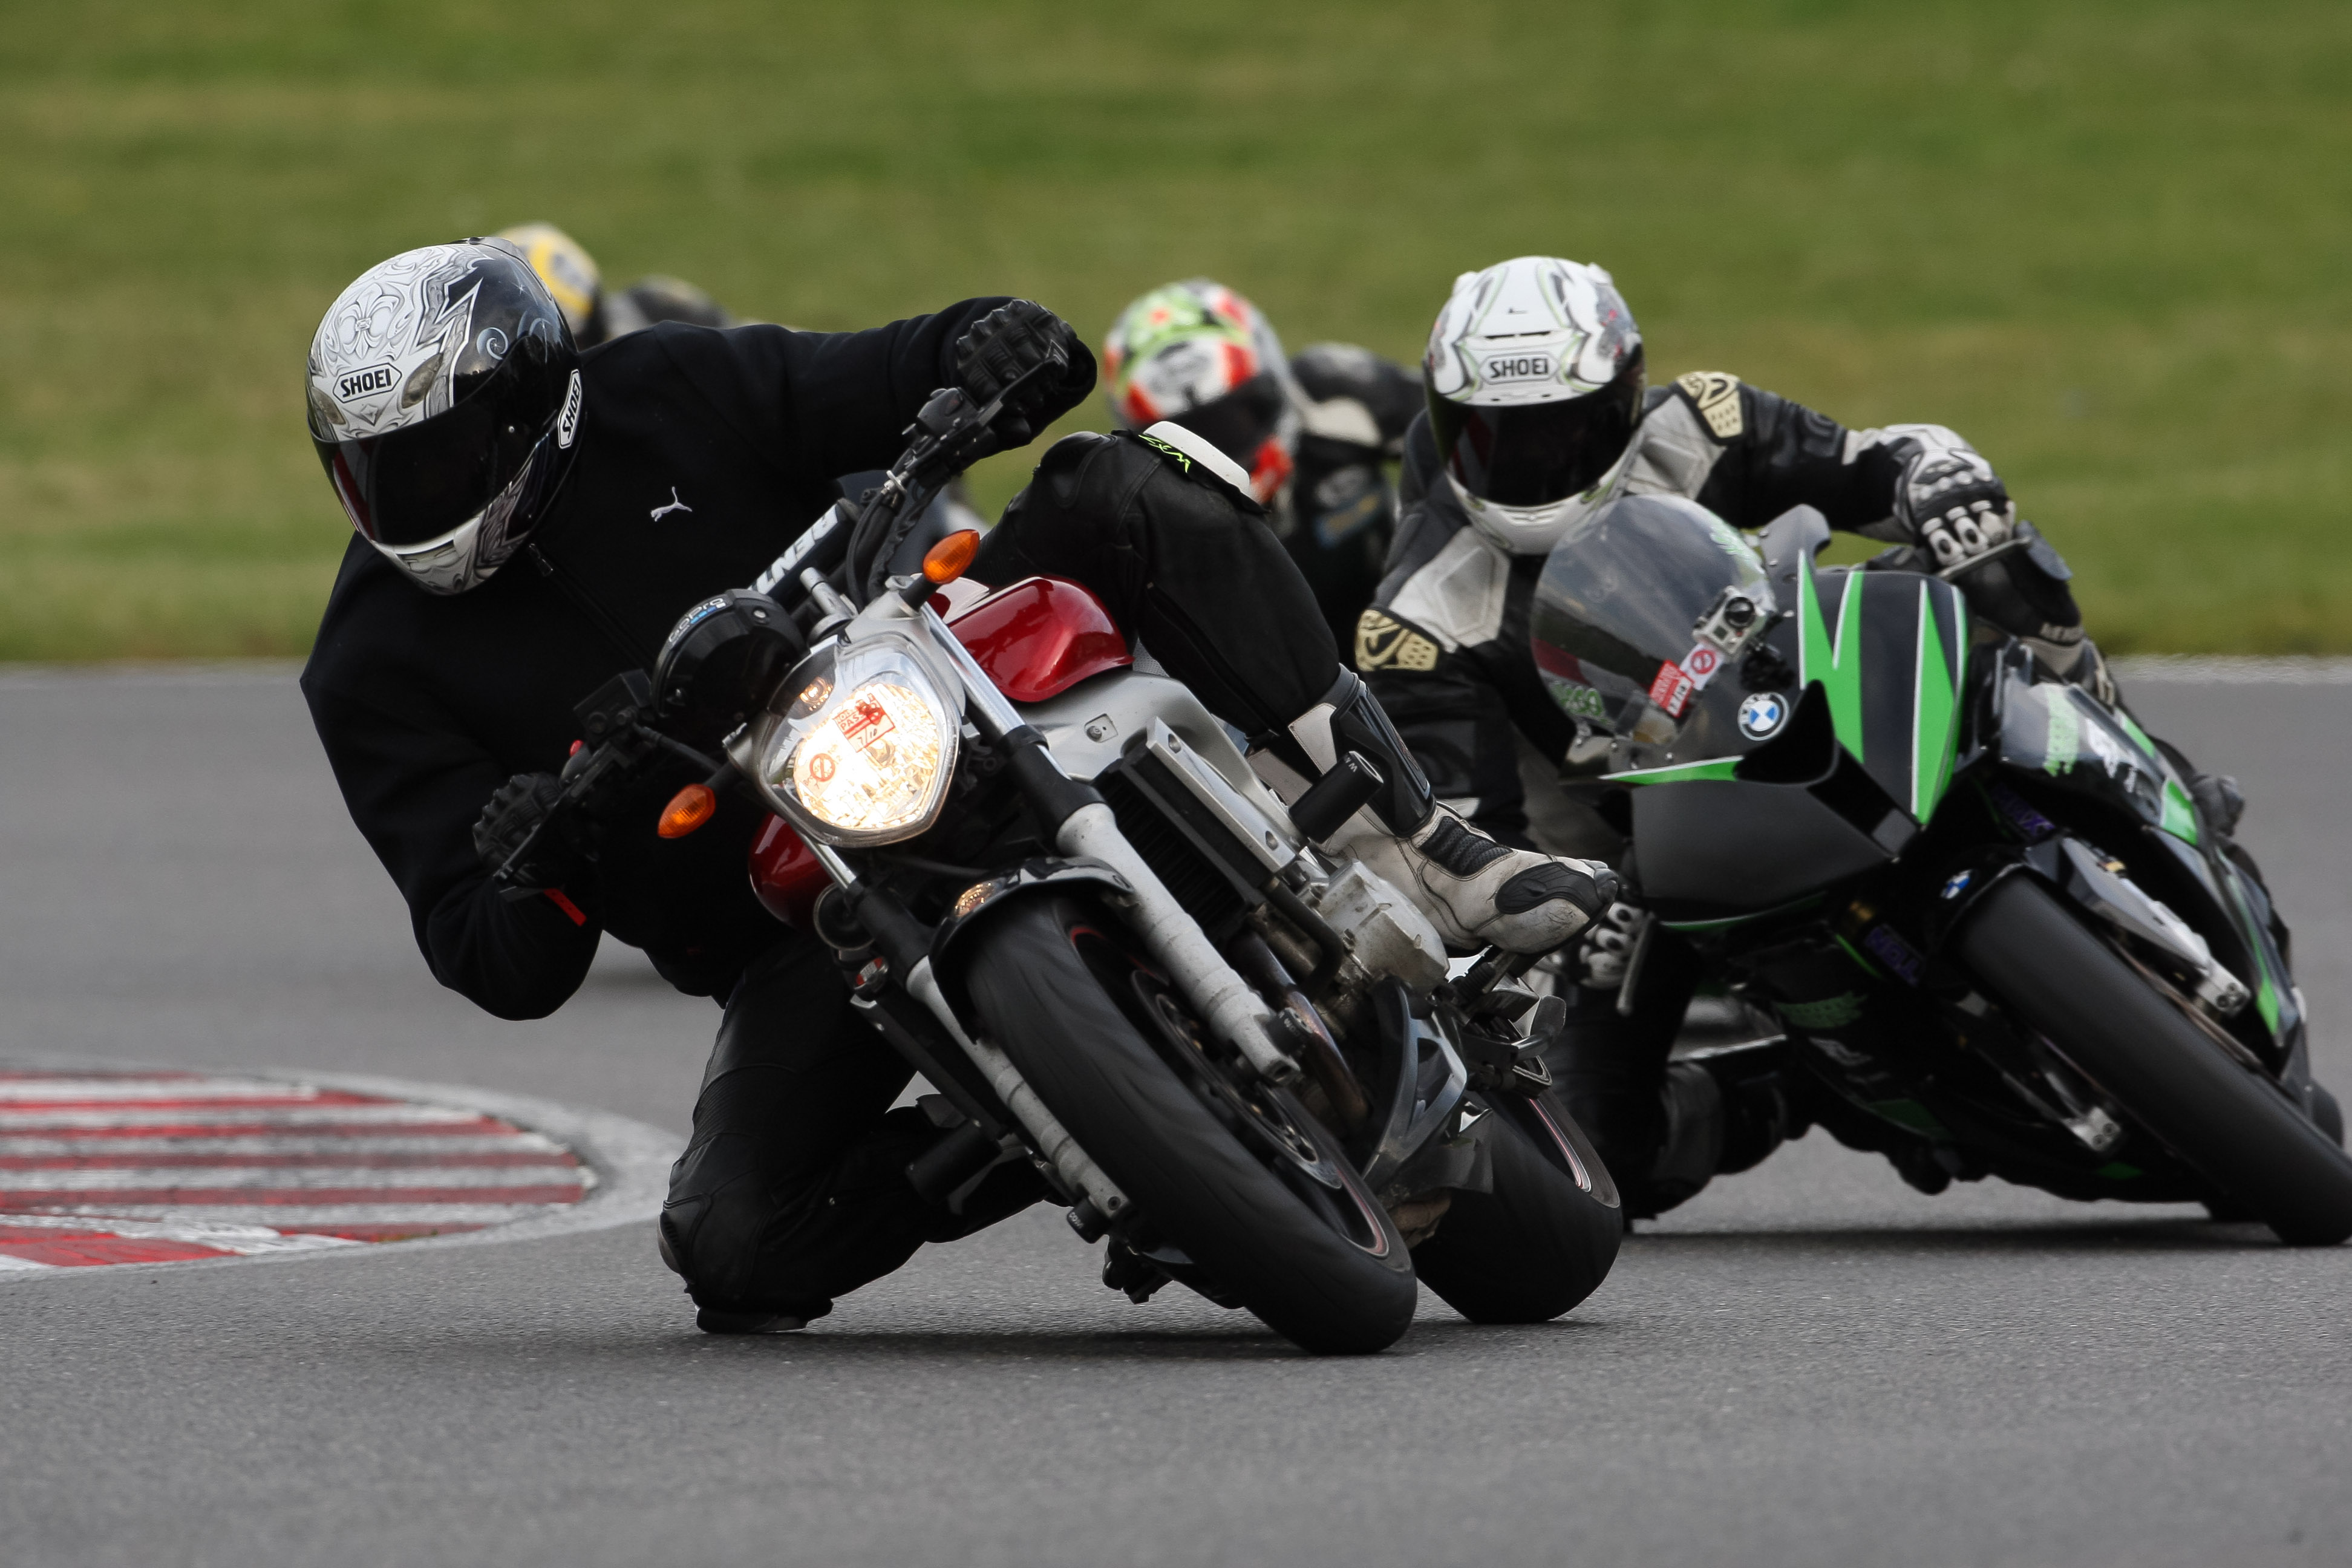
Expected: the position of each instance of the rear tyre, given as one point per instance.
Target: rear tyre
(2236, 1128)
(1316, 1259)
(1544, 1239)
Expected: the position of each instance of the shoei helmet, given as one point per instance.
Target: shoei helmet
(1201, 356)
(1534, 380)
(570, 273)
(444, 401)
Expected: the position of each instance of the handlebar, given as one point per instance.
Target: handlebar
(842, 549)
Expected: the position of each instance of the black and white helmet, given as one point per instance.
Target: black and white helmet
(445, 400)
(1534, 380)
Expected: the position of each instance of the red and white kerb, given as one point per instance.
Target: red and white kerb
(167, 1167)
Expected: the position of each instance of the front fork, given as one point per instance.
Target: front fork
(1082, 828)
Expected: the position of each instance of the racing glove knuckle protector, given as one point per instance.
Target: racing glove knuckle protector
(1954, 504)
(515, 809)
(1006, 345)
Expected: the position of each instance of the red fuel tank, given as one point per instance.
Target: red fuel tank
(1039, 637)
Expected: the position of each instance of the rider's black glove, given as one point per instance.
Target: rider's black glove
(1004, 345)
(515, 808)
(1955, 505)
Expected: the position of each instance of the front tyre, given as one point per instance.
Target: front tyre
(1324, 1267)
(2236, 1128)
(1546, 1235)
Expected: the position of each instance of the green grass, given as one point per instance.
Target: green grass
(2111, 242)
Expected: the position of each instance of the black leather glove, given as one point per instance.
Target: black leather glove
(1008, 342)
(516, 807)
(1955, 505)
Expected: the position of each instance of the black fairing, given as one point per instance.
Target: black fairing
(1721, 846)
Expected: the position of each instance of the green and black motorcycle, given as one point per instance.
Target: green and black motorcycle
(1996, 924)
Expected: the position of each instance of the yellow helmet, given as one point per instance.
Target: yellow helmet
(567, 269)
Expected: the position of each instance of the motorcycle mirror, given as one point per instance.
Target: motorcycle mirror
(1791, 538)
(687, 810)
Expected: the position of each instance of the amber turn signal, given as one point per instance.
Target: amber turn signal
(950, 557)
(689, 809)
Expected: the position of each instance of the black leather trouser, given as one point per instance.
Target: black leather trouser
(794, 1188)
(1198, 578)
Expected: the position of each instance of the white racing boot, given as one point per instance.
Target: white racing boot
(1476, 891)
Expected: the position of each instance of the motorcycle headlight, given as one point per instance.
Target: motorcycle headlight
(859, 745)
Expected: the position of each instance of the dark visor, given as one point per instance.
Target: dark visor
(1241, 421)
(1538, 452)
(417, 484)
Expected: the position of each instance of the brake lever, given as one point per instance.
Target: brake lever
(956, 441)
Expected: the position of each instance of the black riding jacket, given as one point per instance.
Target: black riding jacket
(1445, 643)
(702, 454)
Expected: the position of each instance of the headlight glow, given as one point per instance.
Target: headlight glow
(860, 747)
(869, 767)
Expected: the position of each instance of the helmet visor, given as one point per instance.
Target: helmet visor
(1239, 423)
(415, 484)
(1538, 452)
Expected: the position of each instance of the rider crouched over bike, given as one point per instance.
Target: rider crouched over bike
(1316, 430)
(1539, 414)
(530, 521)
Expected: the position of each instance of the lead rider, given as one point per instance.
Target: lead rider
(531, 520)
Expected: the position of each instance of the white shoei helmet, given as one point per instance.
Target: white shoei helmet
(1535, 381)
(444, 401)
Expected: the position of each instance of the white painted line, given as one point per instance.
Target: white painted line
(239, 1238)
(25, 1185)
(234, 1116)
(131, 1146)
(424, 1216)
(26, 1266)
(182, 1091)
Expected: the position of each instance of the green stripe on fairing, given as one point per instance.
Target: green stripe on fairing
(1837, 665)
(2137, 733)
(1680, 773)
(2179, 815)
(2266, 996)
(1856, 953)
(1933, 732)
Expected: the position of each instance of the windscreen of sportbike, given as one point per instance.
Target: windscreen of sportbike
(1640, 631)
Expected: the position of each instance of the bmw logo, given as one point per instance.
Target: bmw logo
(1762, 714)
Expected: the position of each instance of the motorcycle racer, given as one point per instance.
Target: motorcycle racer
(1315, 430)
(595, 315)
(1538, 412)
(531, 520)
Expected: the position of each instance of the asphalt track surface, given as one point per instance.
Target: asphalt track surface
(1809, 1364)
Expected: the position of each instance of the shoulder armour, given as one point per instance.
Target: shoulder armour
(1384, 642)
(1191, 454)
(1715, 396)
